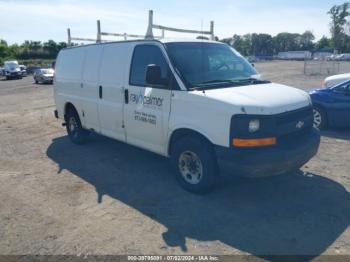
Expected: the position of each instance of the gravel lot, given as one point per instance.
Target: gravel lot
(109, 198)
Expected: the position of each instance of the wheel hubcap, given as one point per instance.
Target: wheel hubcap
(73, 126)
(190, 167)
(317, 118)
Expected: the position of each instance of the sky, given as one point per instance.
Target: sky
(49, 19)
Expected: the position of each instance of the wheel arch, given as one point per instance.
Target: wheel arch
(183, 132)
(325, 111)
(69, 106)
(323, 108)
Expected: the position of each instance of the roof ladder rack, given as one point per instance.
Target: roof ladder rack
(149, 34)
(151, 25)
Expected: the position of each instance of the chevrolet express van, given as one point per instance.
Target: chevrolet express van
(199, 102)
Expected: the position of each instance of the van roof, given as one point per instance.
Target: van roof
(164, 41)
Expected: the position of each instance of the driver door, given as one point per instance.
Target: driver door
(341, 105)
(147, 108)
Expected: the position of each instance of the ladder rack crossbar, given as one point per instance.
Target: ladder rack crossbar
(181, 30)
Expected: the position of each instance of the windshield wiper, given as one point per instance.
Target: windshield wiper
(218, 81)
(252, 80)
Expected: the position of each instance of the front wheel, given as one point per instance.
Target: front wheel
(195, 164)
(75, 131)
(320, 120)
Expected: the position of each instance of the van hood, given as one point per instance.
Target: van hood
(262, 98)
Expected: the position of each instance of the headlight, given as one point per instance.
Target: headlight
(254, 125)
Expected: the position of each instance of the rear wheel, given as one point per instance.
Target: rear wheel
(195, 164)
(74, 129)
(320, 119)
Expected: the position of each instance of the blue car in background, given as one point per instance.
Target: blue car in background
(332, 106)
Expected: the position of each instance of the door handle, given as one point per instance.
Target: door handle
(100, 92)
(126, 96)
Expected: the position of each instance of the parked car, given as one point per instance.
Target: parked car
(343, 57)
(332, 106)
(44, 75)
(208, 114)
(23, 70)
(12, 70)
(335, 80)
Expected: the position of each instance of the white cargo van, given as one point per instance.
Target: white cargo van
(199, 103)
(12, 70)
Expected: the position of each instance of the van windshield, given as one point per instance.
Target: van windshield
(11, 65)
(208, 65)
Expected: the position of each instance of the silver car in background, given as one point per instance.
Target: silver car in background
(44, 75)
(23, 70)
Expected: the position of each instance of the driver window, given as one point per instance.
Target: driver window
(145, 55)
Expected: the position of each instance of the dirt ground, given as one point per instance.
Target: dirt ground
(110, 198)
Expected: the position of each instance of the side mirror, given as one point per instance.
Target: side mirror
(154, 76)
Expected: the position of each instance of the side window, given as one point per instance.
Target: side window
(345, 88)
(145, 55)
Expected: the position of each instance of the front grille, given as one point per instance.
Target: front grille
(279, 125)
(294, 121)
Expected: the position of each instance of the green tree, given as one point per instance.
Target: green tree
(324, 42)
(3, 42)
(339, 14)
(306, 41)
(286, 42)
(261, 45)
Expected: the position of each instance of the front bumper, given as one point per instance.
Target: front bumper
(13, 74)
(269, 161)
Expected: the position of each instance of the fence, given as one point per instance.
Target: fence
(324, 67)
(321, 67)
(149, 33)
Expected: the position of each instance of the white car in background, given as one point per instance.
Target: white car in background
(335, 80)
(23, 70)
(12, 70)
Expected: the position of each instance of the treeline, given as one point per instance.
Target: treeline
(267, 45)
(30, 50)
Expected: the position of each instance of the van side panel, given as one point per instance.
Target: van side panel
(208, 117)
(68, 73)
(89, 91)
(114, 68)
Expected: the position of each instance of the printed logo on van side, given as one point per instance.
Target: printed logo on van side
(146, 100)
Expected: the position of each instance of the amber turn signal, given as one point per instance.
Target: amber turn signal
(254, 142)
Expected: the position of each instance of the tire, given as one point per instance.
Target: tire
(195, 164)
(320, 118)
(74, 129)
(7, 78)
